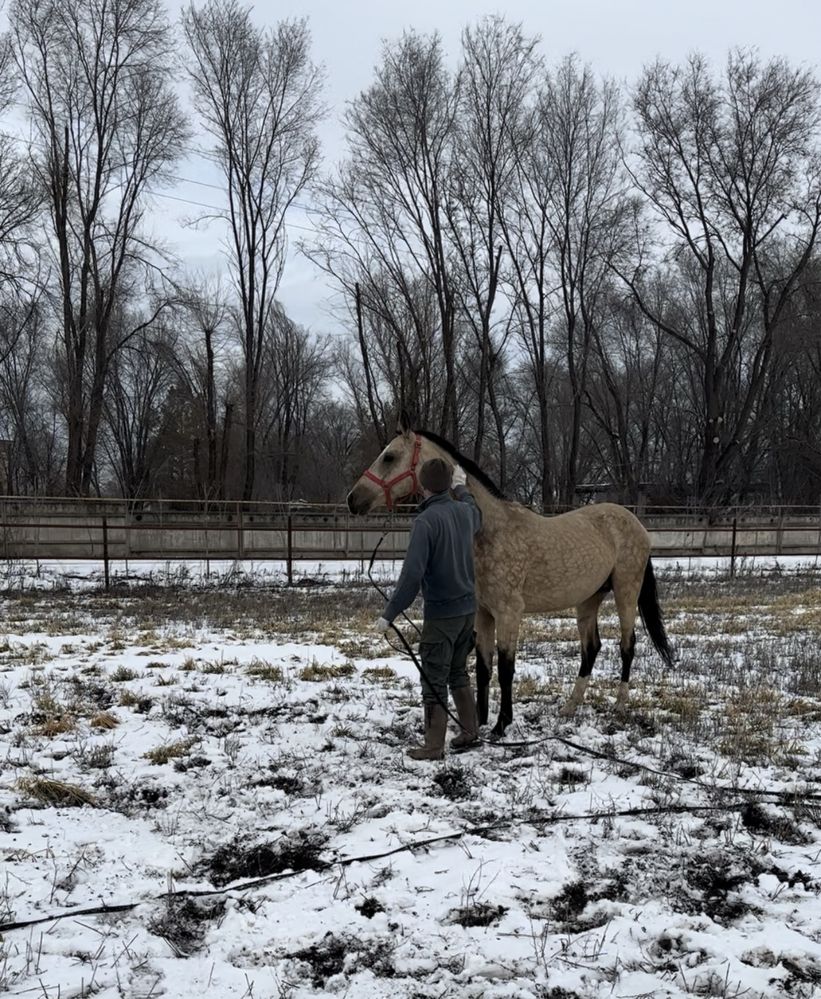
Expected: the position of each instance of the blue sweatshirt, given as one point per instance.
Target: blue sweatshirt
(440, 558)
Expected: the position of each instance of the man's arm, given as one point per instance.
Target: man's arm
(413, 569)
(464, 495)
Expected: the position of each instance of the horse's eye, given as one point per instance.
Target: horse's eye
(388, 458)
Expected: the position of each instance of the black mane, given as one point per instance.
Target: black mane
(468, 464)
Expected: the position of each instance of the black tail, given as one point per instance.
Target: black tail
(651, 615)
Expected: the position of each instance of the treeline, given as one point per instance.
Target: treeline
(579, 284)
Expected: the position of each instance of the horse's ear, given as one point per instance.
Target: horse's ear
(403, 423)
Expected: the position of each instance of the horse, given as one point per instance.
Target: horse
(528, 563)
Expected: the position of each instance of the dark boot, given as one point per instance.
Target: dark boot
(436, 723)
(468, 737)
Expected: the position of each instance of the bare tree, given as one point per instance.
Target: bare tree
(588, 214)
(496, 79)
(142, 374)
(27, 416)
(629, 392)
(732, 171)
(209, 322)
(294, 368)
(20, 199)
(259, 96)
(382, 221)
(97, 74)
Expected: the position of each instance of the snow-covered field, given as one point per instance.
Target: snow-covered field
(218, 761)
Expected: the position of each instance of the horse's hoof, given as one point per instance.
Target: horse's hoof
(498, 730)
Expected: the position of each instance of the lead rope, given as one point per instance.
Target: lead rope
(413, 624)
(407, 648)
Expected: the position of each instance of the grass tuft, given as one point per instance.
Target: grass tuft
(316, 672)
(55, 793)
(170, 751)
(265, 671)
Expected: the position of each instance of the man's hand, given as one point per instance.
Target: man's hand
(459, 476)
(381, 626)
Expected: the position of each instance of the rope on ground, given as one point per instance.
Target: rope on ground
(250, 884)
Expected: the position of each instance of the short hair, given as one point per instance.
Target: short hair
(436, 475)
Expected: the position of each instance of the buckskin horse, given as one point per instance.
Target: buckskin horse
(528, 563)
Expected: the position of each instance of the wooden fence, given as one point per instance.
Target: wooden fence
(36, 528)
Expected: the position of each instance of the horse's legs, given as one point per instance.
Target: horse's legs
(485, 641)
(626, 593)
(587, 618)
(507, 638)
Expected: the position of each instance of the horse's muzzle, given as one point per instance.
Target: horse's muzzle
(360, 499)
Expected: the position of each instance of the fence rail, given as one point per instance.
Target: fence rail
(121, 529)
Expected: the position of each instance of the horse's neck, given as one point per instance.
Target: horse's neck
(493, 509)
(491, 506)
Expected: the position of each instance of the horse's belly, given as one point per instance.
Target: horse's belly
(546, 591)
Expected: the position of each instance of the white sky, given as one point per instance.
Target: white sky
(617, 38)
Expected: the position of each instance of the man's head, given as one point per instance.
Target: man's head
(435, 476)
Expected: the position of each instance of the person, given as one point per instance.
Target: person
(440, 560)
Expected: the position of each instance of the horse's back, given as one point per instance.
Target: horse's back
(577, 553)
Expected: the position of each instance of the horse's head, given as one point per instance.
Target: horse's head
(394, 474)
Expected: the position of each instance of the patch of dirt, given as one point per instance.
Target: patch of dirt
(369, 907)
(711, 882)
(480, 914)
(565, 910)
(290, 784)
(298, 851)
(192, 763)
(183, 922)
(764, 822)
(453, 783)
(334, 954)
(683, 766)
(568, 906)
(568, 776)
(95, 692)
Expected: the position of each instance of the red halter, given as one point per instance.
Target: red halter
(387, 484)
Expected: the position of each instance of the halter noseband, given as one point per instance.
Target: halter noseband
(387, 484)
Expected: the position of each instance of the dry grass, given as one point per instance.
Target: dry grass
(316, 672)
(265, 671)
(104, 720)
(140, 702)
(122, 674)
(533, 688)
(748, 730)
(379, 674)
(170, 751)
(54, 793)
(57, 725)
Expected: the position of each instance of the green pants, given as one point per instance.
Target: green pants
(443, 650)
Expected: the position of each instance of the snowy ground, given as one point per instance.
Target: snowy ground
(165, 744)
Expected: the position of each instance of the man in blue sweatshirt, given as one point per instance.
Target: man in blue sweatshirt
(440, 560)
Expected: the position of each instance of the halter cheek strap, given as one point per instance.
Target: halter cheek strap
(410, 473)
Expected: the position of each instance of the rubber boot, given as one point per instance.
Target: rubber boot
(468, 737)
(436, 723)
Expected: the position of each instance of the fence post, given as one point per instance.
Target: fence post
(207, 552)
(732, 549)
(290, 549)
(105, 553)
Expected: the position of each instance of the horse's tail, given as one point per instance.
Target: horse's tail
(651, 615)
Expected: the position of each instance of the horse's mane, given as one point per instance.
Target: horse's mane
(468, 464)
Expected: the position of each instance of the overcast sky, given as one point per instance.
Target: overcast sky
(617, 37)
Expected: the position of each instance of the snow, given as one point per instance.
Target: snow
(537, 888)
